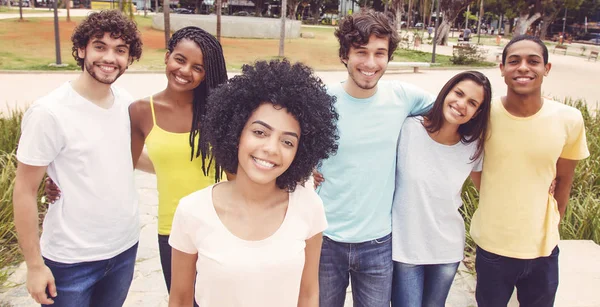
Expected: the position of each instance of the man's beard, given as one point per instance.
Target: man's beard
(89, 67)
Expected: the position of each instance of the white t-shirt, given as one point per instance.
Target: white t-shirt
(427, 226)
(233, 272)
(88, 153)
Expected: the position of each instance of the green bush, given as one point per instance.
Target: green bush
(467, 55)
(10, 128)
(582, 217)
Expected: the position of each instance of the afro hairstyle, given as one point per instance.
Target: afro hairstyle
(290, 86)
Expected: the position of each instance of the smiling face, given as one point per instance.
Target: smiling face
(462, 102)
(366, 65)
(524, 69)
(185, 66)
(268, 144)
(105, 59)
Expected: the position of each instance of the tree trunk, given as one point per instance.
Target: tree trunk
(218, 9)
(293, 9)
(283, 14)
(167, 20)
(68, 6)
(314, 9)
(398, 18)
(20, 10)
(524, 22)
(409, 16)
(443, 31)
(547, 21)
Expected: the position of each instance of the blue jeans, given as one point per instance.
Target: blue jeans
(102, 283)
(422, 285)
(367, 264)
(536, 279)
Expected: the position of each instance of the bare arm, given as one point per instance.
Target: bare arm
(476, 178)
(565, 171)
(137, 135)
(183, 272)
(309, 286)
(144, 163)
(27, 183)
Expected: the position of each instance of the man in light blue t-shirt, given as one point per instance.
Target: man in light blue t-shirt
(359, 180)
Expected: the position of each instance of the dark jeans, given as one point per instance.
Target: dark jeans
(367, 264)
(102, 283)
(425, 285)
(165, 252)
(536, 279)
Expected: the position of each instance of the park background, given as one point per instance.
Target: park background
(29, 57)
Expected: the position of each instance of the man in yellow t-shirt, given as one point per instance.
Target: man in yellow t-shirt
(532, 142)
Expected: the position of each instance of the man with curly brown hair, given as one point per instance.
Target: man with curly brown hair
(79, 134)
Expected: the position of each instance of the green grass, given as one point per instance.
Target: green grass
(15, 10)
(404, 55)
(582, 216)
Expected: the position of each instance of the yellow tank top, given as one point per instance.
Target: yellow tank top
(176, 175)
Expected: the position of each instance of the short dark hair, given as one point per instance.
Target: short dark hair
(475, 129)
(216, 74)
(356, 29)
(526, 37)
(108, 21)
(290, 86)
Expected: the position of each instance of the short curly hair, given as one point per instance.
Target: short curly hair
(108, 21)
(290, 86)
(356, 29)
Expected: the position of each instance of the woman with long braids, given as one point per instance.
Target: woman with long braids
(168, 122)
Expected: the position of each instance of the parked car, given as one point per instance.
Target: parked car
(241, 13)
(595, 39)
(418, 25)
(16, 3)
(182, 10)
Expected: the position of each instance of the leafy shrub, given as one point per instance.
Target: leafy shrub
(467, 54)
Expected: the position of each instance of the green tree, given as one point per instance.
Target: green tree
(451, 9)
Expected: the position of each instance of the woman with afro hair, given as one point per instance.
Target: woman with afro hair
(256, 240)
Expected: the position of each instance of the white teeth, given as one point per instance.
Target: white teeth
(107, 68)
(263, 162)
(181, 80)
(523, 79)
(368, 73)
(456, 111)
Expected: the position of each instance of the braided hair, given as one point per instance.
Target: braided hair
(216, 74)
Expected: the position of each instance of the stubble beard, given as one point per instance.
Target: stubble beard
(89, 67)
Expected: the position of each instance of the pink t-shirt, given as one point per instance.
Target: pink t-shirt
(235, 272)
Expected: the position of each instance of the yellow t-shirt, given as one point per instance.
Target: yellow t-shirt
(517, 217)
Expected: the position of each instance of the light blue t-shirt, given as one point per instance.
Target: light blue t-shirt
(359, 180)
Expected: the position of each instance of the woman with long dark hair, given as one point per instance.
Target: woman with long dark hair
(169, 123)
(436, 154)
